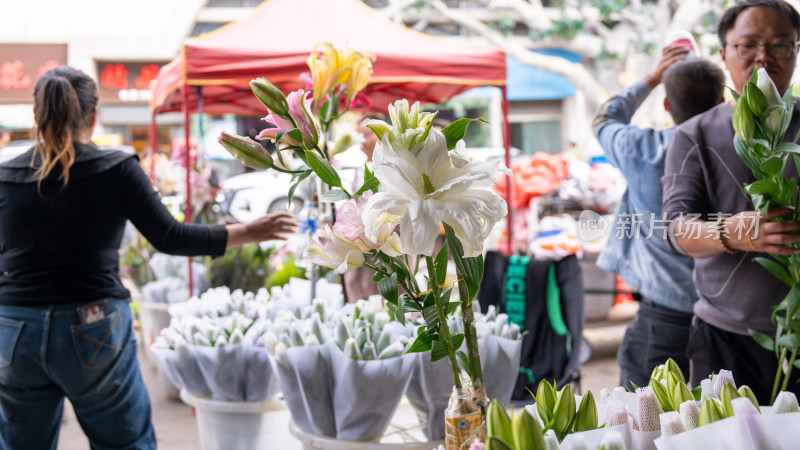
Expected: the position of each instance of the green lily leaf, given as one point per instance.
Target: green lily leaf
(388, 288)
(334, 195)
(776, 269)
(471, 269)
(422, 343)
(300, 179)
(762, 339)
(463, 361)
(789, 340)
(456, 131)
(323, 169)
(431, 316)
(768, 187)
(441, 263)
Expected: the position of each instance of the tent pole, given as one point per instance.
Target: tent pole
(187, 159)
(153, 141)
(507, 146)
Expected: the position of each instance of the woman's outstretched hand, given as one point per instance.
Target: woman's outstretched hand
(265, 228)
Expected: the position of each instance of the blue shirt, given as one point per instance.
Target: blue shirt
(637, 248)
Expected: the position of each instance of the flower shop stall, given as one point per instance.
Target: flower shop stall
(213, 70)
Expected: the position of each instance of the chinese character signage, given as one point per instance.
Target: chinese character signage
(125, 81)
(22, 64)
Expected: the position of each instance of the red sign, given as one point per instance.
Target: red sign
(22, 64)
(125, 81)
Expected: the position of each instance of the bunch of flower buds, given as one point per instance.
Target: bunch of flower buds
(221, 302)
(207, 331)
(558, 412)
(520, 431)
(486, 324)
(301, 327)
(362, 334)
(669, 386)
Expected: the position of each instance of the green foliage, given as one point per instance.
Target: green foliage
(246, 268)
(135, 259)
(285, 270)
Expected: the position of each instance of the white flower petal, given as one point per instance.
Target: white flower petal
(420, 227)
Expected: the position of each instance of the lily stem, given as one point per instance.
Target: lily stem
(778, 374)
(789, 371)
(444, 330)
(470, 335)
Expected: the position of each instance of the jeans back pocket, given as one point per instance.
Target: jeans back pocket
(9, 335)
(98, 343)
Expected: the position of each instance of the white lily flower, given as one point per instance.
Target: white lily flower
(331, 250)
(766, 86)
(427, 188)
(409, 127)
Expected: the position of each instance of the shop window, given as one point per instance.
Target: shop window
(532, 137)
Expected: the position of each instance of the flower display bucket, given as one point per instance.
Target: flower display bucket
(154, 317)
(233, 425)
(313, 442)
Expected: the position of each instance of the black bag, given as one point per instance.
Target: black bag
(551, 348)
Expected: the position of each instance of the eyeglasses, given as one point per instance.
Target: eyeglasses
(781, 50)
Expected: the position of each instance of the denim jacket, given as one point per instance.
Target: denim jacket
(637, 247)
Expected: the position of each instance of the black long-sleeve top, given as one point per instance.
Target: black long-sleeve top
(59, 245)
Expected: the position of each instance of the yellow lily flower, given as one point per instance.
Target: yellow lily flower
(331, 68)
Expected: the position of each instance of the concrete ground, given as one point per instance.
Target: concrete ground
(176, 425)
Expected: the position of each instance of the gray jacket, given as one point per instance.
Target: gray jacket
(704, 175)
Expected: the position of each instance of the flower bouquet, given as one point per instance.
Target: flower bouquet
(760, 119)
(666, 415)
(219, 352)
(421, 181)
(342, 373)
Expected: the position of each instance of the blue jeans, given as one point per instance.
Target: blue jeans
(656, 333)
(46, 355)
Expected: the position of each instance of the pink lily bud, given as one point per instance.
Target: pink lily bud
(307, 123)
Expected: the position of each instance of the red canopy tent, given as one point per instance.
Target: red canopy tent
(214, 70)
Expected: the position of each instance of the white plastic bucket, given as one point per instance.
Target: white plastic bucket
(235, 425)
(403, 439)
(153, 318)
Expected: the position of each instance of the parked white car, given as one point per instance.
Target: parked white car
(251, 195)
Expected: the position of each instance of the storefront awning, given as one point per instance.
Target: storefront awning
(531, 83)
(524, 82)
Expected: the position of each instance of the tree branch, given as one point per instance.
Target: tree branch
(574, 72)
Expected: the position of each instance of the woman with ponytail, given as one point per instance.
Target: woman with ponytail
(65, 324)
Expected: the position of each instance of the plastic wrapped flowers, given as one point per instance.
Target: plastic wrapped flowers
(342, 374)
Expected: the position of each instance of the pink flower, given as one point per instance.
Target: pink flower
(337, 246)
(300, 103)
(348, 221)
(308, 126)
(278, 126)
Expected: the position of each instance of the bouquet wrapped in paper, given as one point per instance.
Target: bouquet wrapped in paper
(342, 375)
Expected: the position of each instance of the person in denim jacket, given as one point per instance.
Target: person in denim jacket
(636, 248)
(65, 324)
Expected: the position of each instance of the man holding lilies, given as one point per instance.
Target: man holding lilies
(708, 207)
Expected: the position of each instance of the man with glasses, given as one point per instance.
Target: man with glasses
(705, 202)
